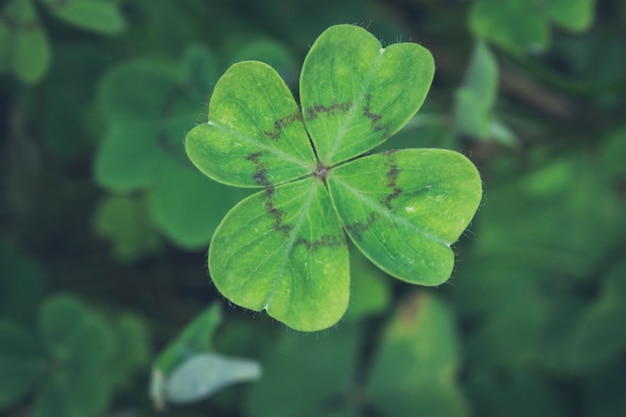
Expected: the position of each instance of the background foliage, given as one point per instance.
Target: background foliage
(104, 223)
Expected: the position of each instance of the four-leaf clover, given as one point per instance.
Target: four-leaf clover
(284, 248)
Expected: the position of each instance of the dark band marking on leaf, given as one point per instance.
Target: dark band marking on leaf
(324, 241)
(358, 227)
(392, 176)
(261, 178)
(375, 118)
(332, 110)
(278, 214)
(281, 124)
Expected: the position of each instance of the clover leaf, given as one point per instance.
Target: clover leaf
(146, 105)
(64, 368)
(284, 248)
(524, 25)
(189, 369)
(412, 371)
(24, 43)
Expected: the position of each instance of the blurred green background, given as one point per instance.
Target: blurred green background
(105, 224)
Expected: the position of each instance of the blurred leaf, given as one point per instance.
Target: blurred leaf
(21, 284)
(80, 344)
(139, 92)
(273, 53)
(575, 15)
(525, 290)
(201, 375)
(95, 15)
(128, 159)
(194, 338)
(75, 71)
(550, 180)
(182, 191)
(125, 221)
(186, 371)
(517, 25)
(369, 288)
(598, 337)
(303, 373)
(614, 153)
(414, 370)
(25, 45)
(22, 363)
(567, 204)
(132, 348)
(148, 107)
(73, 392)
(73, 333)
(510, 338)
(500, 132)
(523, 25)
(514, 395)
(481, 290)
(167, 25)
(202, 69)
(476, 97)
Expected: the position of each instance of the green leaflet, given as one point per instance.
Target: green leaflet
(283, 249)
(188, 369)
(255, 136)
(403, 209)
(356, 94)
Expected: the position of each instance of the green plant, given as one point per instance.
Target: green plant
(476, 98)
(25, 46)
(147, 105)
(524, 25)
(283, 249)
(125, 221)
(189, 369)
(73, 362)
(411, 372)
